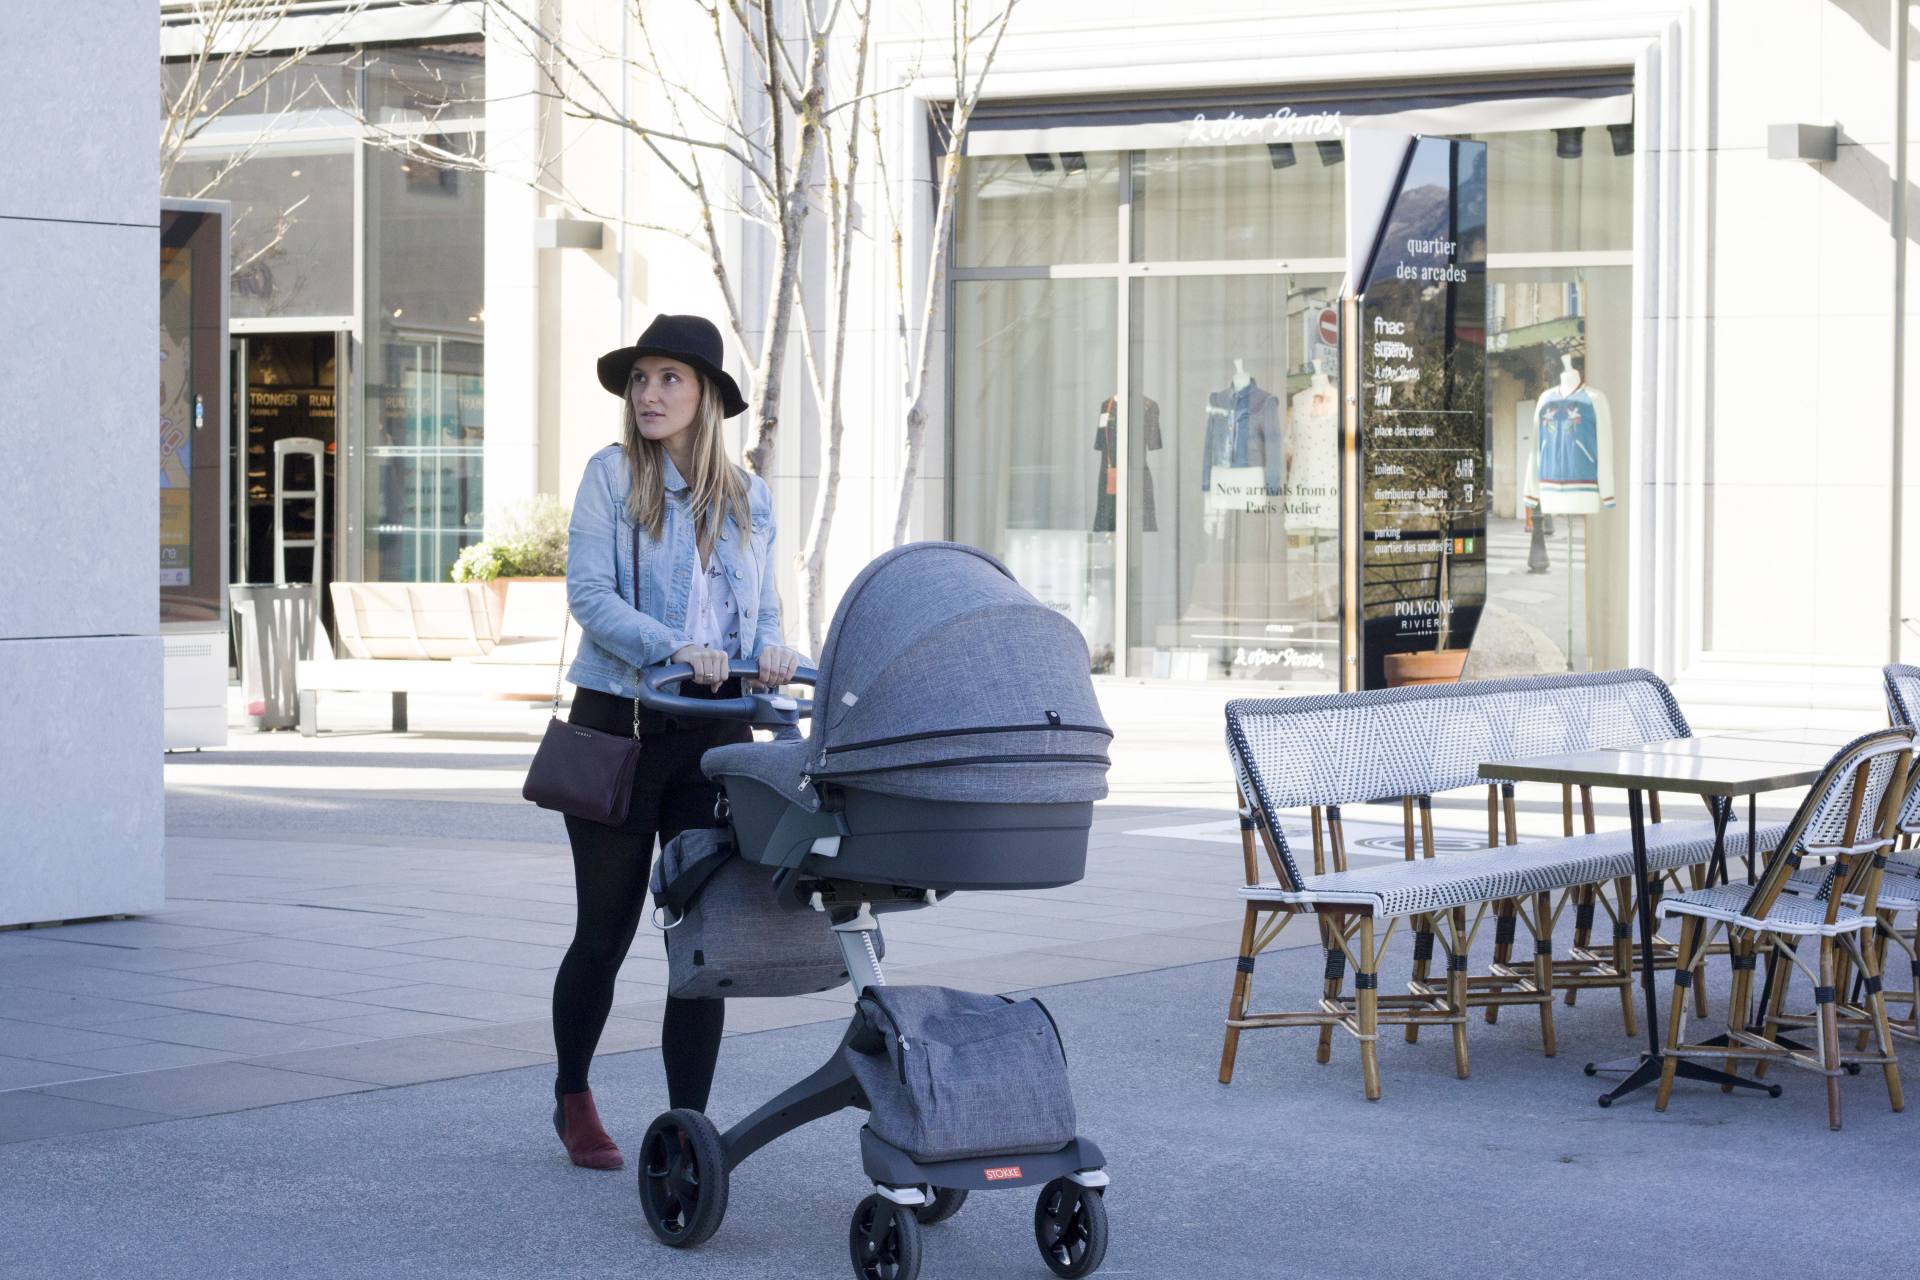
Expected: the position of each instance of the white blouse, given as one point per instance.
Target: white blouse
(713, 619)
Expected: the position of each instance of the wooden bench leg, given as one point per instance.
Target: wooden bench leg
(309, 720)
(1457, 990)
(1543, 967)
(1336, 980)
(399, 713)
(1367, 998)
(1422, 959)
(1504, 919)
(1623, 958)
(1683, 976)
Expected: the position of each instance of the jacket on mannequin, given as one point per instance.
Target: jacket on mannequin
(1244, 430)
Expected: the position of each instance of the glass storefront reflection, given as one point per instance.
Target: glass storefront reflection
(425, 397)
(1233, 563)
(1227, 489)
(1033, 413)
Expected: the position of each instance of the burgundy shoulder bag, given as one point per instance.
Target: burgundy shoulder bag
(581, 771)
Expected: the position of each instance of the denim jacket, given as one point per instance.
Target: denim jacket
(615, 639)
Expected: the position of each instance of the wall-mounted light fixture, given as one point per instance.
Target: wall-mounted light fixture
(1622, 135)
(1331, 152)
(1569, 143)
(1039, 162)
(568, 233)
(1812, 143)
(1280, 155)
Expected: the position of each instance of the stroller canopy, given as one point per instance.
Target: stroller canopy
(943, 678)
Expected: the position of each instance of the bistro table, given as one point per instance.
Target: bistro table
(1719, 768)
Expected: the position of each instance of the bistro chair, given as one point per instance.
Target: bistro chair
(1840, 819)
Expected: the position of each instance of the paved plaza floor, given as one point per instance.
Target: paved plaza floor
(329, 1055)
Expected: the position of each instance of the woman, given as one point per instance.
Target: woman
(705, 595)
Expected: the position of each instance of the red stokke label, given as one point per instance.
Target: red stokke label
(1004, 1173)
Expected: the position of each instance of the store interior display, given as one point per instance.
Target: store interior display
(1106, 442)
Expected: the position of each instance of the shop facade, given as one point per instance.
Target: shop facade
(1695, 355)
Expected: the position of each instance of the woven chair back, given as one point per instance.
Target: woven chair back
(1840, 815)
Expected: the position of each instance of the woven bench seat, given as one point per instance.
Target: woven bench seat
(1395, 889)
(1791, 913)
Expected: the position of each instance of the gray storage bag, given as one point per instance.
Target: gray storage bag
(725, 934)
(951, 1075)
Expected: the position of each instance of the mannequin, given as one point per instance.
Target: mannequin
(1313, 455)
(1571, 472)
(1573, 463)
(1107, 476)
(1240, 377)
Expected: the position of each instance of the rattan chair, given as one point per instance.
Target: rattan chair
(1843, 818)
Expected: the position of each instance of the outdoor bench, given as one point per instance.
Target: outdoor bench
(1324, 752)
(437, 638)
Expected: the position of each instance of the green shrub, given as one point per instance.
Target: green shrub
(530, 542)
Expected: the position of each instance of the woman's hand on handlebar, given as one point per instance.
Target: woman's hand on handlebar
(777, 665)
(709, 665)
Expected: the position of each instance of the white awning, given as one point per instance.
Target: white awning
(1056, 128)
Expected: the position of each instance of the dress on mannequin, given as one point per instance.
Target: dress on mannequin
(1107, 475)
(1313, 429)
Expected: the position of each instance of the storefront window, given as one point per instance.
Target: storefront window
(1211, 203)
(1033, 482)
(1233, 563)
(292, 236)
(425, 397)
(1192, 525)
(1019, 211)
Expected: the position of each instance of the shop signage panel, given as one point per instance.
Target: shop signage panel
(1423, 431)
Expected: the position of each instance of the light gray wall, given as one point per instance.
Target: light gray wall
(81, 810)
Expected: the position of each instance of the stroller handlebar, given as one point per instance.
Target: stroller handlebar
(659, 692)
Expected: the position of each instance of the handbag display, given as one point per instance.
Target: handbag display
(580, 771)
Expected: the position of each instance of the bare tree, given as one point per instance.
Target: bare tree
(240, 54)
(916, 341)
(781, 145)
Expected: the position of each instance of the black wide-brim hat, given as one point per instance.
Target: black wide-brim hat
(692, 340)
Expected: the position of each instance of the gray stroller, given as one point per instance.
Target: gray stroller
(955, 745)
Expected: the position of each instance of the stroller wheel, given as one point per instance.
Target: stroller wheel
(1070, 1226)
(892, 1254)
(945, 1203)
(683, 1178)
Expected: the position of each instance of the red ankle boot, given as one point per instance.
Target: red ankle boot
(577, 1121)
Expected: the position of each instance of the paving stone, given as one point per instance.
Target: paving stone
(292, 979)
(398, 1022)
(487, 951)
(241, 1035)
(407, 1060)
(25, 1115)
(311, 955)
(622, 1035)
(131, 959)
(145, 1055)
(57, 1008)
(83, 979)
(143, 933)
(51, 1043)
(468, 973)
(205, 1090)
(24, 1073)
(460, 1002)
(266, 1006)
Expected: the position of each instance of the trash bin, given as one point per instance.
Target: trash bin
(276, 629)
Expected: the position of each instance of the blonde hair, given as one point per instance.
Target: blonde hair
(715, 488)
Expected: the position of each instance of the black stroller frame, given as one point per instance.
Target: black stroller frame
(686, 1162)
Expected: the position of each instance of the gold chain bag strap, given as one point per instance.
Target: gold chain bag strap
(581, 771)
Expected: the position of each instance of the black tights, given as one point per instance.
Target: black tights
(610, 866)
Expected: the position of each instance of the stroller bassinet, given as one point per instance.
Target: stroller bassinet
(955, 744)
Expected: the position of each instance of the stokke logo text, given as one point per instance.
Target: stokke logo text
(1003, 1173)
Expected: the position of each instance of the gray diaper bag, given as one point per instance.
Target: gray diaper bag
(725, 933)
(951, 1075)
